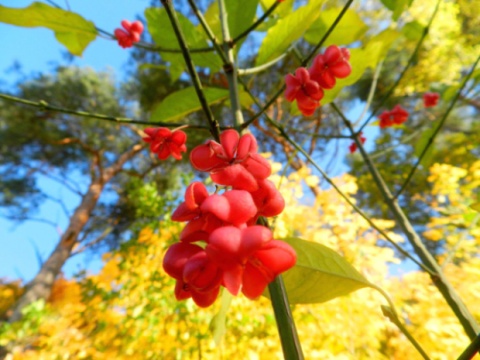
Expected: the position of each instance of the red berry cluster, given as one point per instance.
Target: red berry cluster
(165, 142)
(307, 86)
(232, 252)
(353, 146)
(126, 38)
(396, 116)
(430, 99)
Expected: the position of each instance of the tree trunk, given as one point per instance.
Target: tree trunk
(40, 287)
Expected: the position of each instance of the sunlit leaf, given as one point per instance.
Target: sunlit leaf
(288, 30)
(320, 274)
(71, 29)
(282, 10)
(350, 28)
(396, 6)
(240, 15)
(183, 102)
(413, 30)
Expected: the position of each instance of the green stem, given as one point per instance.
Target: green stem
(208, 31)
(391, 313)
(471, 350)
(441, 282)
(327, 34)
(230, 68)
(260, 68)
(260, 20)
(371, 92)
(120, 120)
(291, 347)
(172, 15)
(437, 129)
(411, 60)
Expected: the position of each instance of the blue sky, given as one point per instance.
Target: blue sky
(37, 50)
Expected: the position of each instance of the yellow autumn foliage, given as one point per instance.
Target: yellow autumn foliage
(128, 310)
(446, 50)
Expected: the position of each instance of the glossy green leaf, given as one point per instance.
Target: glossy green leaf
(71, 30)
(183, 102)
(320, 274)
(288, 30)
(240, 15)
(351, 28)
(164, 36)
(282, 10)
(420, 146)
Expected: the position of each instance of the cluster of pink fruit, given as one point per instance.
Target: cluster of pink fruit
(221, 245)
(307, 85)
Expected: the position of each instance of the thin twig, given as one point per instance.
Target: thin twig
(465, 317)
(303, 62)
(471, 350)
(327, 34)
(411, 60)
(260, 20)
(371, 92)
(437, 129)
(172, 15)
(339, 191)
(120, 120)
(230, 67)
(391, 313)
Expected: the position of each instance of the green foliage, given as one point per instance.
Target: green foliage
(183, 102)
(397, 6)
(288, 30)
(320, 274)
(351, 27)
(70, 29)
(179, 104)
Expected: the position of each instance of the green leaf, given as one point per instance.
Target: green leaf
(320, 274)
(282, 10)
(163, 34)
(413, 30)
(183, 102)
(397, 6)
(288, 30)
(350, 28)
(71, 30)
(476, 206)
(421, 144)
(240, 15)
